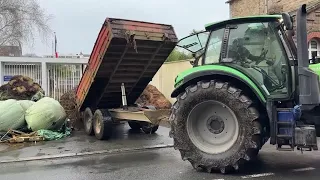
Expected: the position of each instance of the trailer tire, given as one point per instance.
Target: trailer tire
(237, 131)
(149, 128)
(88, 121)
(317, 130)
(102, 124)
(134, 125)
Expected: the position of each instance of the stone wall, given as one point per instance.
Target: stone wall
(240, 8)
(258, 7)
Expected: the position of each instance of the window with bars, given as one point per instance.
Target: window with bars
(314, 45)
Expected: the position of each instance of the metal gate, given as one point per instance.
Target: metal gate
(63, 78)
(26, 69)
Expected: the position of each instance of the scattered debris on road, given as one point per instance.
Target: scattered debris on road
(19, 137)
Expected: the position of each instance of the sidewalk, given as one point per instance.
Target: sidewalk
(81, 144)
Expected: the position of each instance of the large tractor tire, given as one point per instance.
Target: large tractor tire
(215, 127)
(102, 124)
(88, 122)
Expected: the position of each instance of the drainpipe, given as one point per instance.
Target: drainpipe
(266, 6)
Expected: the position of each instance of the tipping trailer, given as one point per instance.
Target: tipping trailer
(126, 56)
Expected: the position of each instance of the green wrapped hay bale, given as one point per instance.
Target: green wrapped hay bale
(47, 113)
(12, 114)
(26, 104)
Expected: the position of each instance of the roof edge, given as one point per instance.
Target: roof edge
(310, 8)
(275, 16)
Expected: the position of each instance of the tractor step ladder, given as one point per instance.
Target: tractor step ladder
(285, 129)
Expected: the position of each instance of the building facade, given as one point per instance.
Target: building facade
(240, 8)
(12, 51)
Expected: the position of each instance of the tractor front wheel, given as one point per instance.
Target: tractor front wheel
(215, 127)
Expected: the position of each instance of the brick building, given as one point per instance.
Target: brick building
(15, 51)
(258, 7)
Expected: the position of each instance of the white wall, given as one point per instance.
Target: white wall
(164, 78)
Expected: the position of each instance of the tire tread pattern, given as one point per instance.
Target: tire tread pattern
(251, 140)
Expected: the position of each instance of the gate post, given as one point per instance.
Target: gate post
(44, 79)
(1, 73)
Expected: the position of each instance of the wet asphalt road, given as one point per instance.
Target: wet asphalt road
(162, 164)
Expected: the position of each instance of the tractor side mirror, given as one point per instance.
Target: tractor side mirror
(287, 20)
(192, 62)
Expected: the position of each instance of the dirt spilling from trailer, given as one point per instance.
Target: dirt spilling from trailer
(152, 96)
(20, 88)
(69, 103)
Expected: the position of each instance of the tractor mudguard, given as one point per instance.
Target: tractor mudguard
(199, 73)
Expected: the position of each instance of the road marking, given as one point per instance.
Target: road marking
(218, 179)
(112, 151)
(304, 169)
(257, 175)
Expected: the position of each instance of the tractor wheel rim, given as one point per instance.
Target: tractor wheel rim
(212, 127)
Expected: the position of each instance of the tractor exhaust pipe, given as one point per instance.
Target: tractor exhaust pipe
(307, 88)
(302, 44)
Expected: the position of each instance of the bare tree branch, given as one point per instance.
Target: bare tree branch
(20, 20)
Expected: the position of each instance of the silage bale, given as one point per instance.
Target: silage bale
(12, 113)
(47, 113)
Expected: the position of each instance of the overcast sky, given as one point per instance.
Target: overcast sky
(77, 22)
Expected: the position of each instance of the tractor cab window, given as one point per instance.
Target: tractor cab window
(214, 47)
(255, 49)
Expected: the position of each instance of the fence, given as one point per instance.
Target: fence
(56, 76)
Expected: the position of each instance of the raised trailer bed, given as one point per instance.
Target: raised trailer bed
(126, 56)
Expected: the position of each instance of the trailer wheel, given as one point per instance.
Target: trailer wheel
(88, 121)
(102, 124)
(215, 127)
(134, 125)
(149, 128)
(317, 130)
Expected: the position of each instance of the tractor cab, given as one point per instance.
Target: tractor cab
(261, 48)
(255, 46)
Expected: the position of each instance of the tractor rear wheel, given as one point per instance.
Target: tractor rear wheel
(215, 127)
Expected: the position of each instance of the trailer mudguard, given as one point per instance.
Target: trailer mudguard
(198, 73)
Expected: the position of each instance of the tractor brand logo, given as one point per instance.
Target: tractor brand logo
(190, 45)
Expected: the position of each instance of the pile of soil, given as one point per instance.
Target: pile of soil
(69, 103)
(20, 88)
(152, 96)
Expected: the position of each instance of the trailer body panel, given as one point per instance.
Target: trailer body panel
(126, 51)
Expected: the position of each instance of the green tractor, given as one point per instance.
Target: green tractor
(249, 84)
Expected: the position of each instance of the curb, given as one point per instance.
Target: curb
(113, 151)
